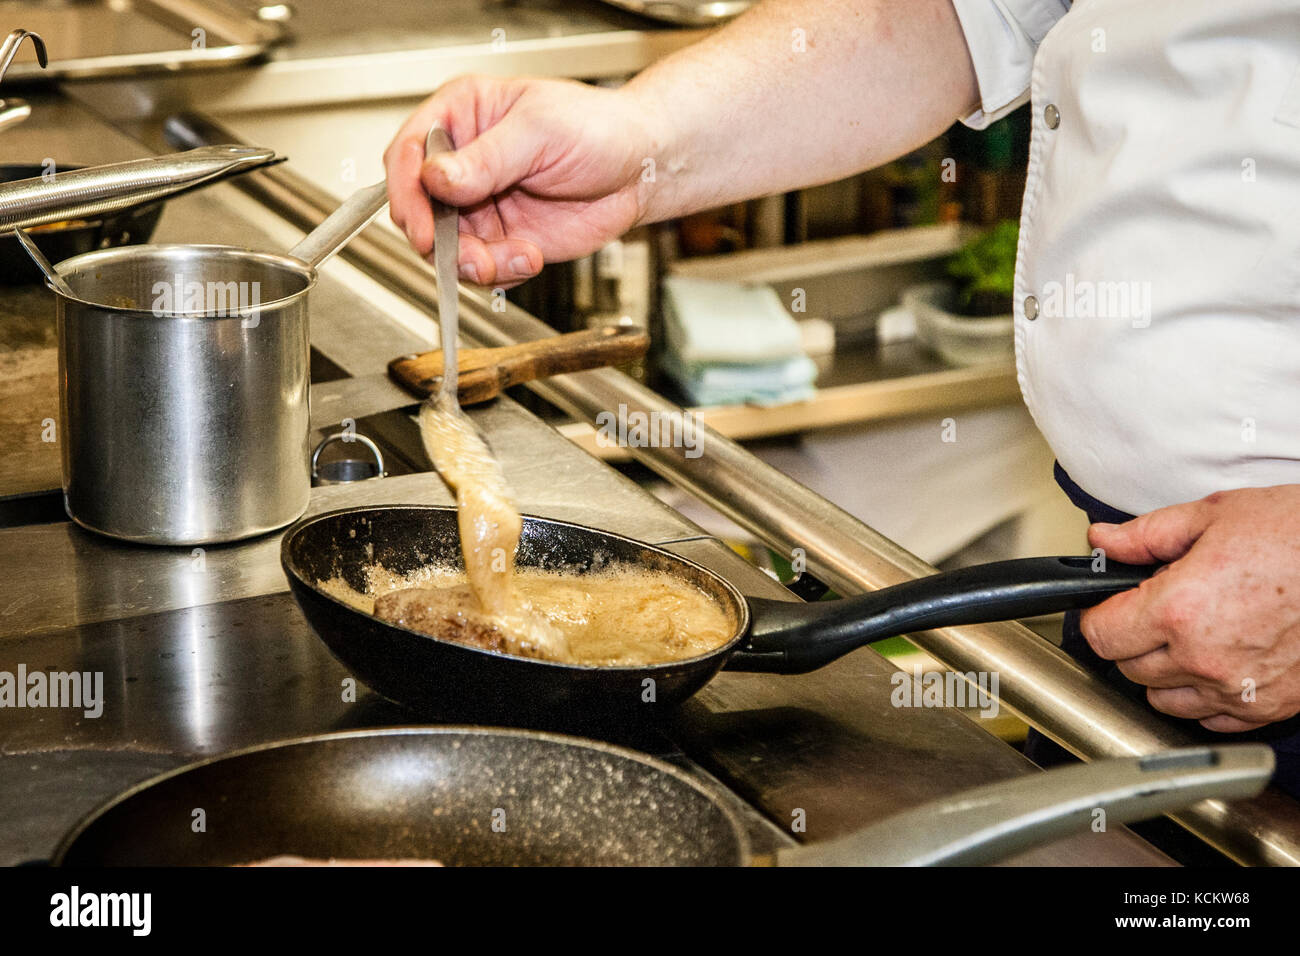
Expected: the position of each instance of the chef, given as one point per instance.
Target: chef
(1157, 292)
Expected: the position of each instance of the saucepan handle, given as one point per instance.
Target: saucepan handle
(793, 638)
(340, 226)
(987, 824)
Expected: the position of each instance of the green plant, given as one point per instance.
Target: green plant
(985, 271)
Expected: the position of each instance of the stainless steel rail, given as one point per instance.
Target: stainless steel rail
(1036, 680)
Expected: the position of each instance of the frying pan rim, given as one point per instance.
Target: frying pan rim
(724, 649)
(702, 787)
(289, 263)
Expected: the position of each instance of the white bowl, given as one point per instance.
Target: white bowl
(957, 339)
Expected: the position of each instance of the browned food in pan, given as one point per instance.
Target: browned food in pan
(454, 613)
(61, 226)
(624, 616)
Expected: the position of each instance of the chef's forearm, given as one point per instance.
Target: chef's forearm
(800, 92)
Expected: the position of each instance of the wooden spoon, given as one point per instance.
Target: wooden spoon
(484, 373)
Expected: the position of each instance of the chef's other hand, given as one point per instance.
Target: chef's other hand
(1215, 636)
(543, 170)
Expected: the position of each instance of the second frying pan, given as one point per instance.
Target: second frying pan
(435, 675)
(474, 796)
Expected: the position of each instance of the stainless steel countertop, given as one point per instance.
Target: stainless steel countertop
(203, 655)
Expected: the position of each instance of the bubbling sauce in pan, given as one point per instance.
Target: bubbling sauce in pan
(489, 613)
(627, 617)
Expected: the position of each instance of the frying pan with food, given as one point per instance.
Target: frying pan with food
(435, 675)
(436, 793)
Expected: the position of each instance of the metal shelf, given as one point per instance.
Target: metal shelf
(112, 40)
(878, 397)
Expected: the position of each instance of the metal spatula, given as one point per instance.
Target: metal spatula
(446, 253)
(445, 403)
(441, 414)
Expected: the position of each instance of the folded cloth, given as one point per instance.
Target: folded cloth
(731, 322)
(765, 383)
(729, 342)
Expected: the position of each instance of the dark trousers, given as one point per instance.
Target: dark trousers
(1283, 737)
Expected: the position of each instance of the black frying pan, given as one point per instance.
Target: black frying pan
(434, 675)
(436, 793)
(417, 793)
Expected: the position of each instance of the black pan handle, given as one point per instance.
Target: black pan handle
(791, 638)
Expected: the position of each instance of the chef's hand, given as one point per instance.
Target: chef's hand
(544, 170)
(1215, 636)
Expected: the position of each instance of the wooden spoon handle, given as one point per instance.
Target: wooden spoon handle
(485, 372)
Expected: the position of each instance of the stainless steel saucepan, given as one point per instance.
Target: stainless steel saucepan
(183, 375)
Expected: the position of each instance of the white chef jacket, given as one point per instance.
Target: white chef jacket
(1157, 290)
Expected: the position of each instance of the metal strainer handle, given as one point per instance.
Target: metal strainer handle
(347, 437)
